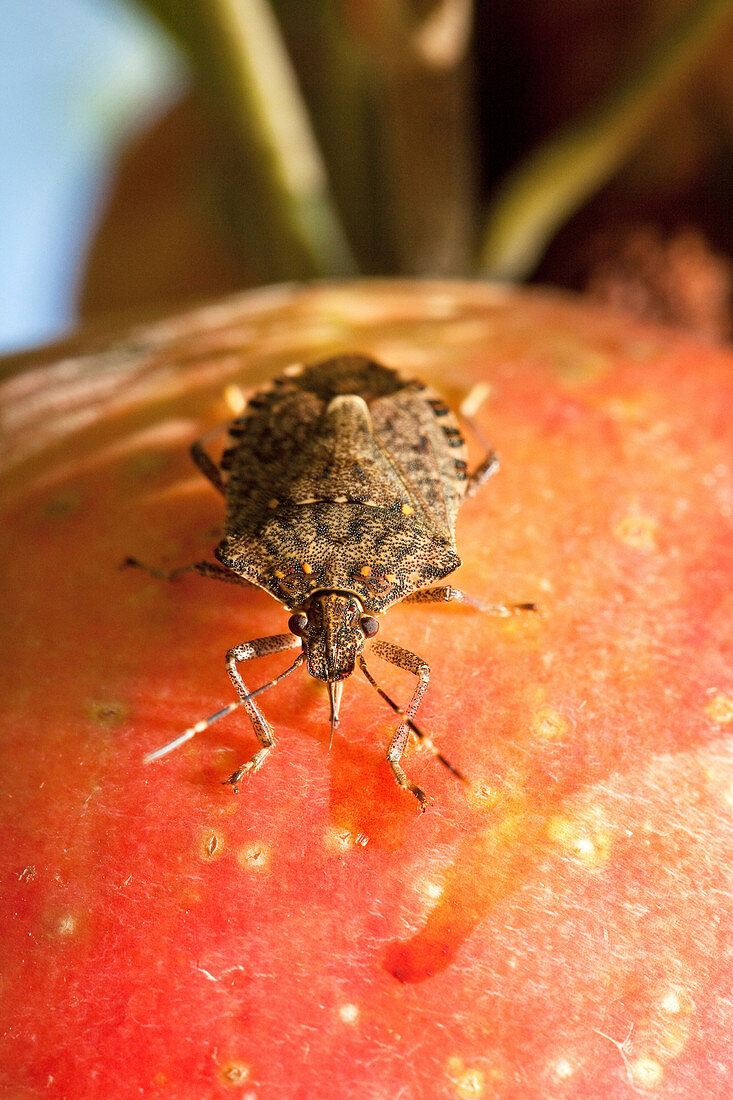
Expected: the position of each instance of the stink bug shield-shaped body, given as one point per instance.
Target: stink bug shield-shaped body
(342, 483)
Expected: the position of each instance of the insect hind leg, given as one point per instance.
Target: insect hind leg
(248, 651)
(446, 593)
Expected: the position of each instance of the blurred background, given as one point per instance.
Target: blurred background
(79, 79)
(155, 153)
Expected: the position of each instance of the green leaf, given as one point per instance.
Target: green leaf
(280, 201)
(555, 180)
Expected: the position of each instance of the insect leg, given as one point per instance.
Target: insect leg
(210, 569)
(204, 723)
(488, 466)
(247, 651)
(206, 464)
(410, 662)
(446, 593)
(490, 463)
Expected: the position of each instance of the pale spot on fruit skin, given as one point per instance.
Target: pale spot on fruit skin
(646, 1072)
(637, 530)
(344, 839)
(339, 840)
(549, 724)
(563, 1069)
(349, 1013)
(233, 1073)
(255, 857)
(669, 1025)
(720, 709)
(671, 1002)
(211, 845)
(430, 889)
(468, 1082)
(587, 841)
(482, 796)
(65, 926)
(659, 1037)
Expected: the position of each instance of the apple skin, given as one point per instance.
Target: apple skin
(557, 926)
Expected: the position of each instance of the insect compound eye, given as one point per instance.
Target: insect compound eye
(369, 625)
(297, 624)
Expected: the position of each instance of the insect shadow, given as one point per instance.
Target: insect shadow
(342, 483)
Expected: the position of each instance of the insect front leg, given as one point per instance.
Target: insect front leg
(247, 651)
(446, 593)
(410, 662)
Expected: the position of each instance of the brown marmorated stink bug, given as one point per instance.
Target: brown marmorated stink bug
(342, 483)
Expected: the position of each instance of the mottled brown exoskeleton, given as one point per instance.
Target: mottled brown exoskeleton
(342, 483)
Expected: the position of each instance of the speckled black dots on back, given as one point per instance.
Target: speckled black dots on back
(346, 476)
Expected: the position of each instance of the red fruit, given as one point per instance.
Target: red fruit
(558, 927)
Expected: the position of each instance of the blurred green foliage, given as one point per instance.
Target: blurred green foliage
(346, 134)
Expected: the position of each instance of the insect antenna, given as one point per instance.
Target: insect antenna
(427, 741)
(199, 727)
